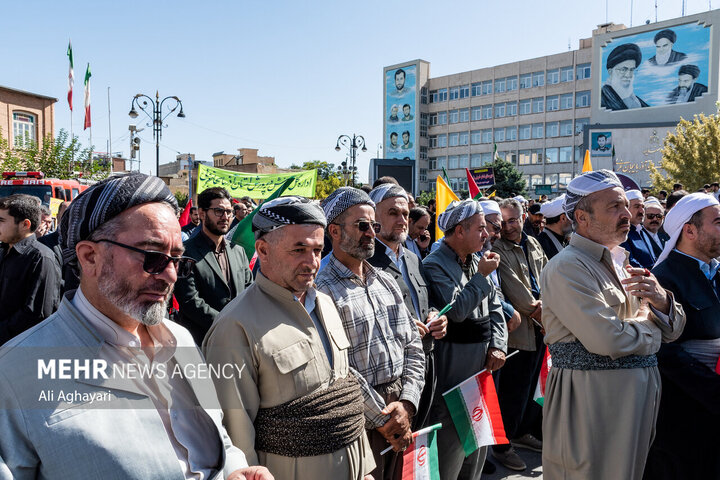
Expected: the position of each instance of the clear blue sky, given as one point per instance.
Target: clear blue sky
(286, 77)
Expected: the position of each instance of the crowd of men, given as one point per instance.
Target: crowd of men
(335, 338)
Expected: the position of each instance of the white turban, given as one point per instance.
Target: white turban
(680, 214)
(586, 184)
(653, 201)
(553, 208)
(520, 199)
(634, 195)
(456, 212)
(490, 207)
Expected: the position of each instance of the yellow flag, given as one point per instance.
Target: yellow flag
(443, 196)
(492, 194)
(587, 166)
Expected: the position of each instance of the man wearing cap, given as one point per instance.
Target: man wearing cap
(534, 220)
(391, 211)
(688, 421)
(617, 93)
(296, 408)
(557, 227)
(107, 420)
(477, 334)
(221, 270)
(688, 89)
(521, 262)
(638, 244)
(385, 347)
(664, 53)
(602, 392)
(652, 225)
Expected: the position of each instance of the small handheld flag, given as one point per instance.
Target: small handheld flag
(420, 460)
(539, 395)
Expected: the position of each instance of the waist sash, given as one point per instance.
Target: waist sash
(574, 356)
(321, 422)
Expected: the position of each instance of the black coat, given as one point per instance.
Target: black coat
(689, 418)
(611, 100)
(205, 292)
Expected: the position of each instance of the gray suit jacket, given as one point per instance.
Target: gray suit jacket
(121, 437)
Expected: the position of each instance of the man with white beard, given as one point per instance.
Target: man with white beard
(617, 93)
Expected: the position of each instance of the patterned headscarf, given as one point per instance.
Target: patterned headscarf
(342, 199)
(385, 191)
(104, 201)
(586, 184)
(456, 212)
(286, 211)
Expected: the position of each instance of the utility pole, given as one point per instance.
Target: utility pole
(134, 145)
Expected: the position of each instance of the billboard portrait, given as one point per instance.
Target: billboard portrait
(601, 143)
(400, 112)
(656, 68)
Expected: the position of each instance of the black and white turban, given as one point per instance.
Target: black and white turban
(385, 191)
(456, 212)
(104, 201)
(586, 184)
(342, 199)
(283, 211)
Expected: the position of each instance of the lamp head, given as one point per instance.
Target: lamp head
(133, 113)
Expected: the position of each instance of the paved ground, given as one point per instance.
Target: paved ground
(534, 470)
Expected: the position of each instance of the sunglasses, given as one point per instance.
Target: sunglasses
(653, 216)
(156, 262)
(364, 225)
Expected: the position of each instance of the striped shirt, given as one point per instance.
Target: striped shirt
(384, 342)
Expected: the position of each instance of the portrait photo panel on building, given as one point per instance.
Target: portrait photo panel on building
(400, 112)
(656, 68)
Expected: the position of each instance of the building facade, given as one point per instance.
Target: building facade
(25, 115)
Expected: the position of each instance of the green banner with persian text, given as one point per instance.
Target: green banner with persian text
(256, 185)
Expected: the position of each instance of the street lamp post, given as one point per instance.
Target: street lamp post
(352, 144)
(145, 103)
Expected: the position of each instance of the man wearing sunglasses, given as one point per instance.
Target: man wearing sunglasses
(392, 373)
(99, 416)
(652, 225)
(221, 270)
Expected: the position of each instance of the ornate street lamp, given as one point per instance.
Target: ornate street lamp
(352, 144)
(153, 109)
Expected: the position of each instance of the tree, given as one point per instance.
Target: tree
(508, 179)
(691, 155)
(328, 179)
(182, 199)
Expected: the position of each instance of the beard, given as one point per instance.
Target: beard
(359, 250)
(395, 237)
(121, 294)
(215, 229)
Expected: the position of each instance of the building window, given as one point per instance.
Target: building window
(487, 136)
(438, 95)
(23, 129)
(511, 84)
(566, 154)
(564, 179)
(551, 179)
(487, 87)
(537, 104)
(486, 158)
(580, 123)
(423, 124)
(566, 74)
(526, 80)
(476, 137)
(453, 139)
(525, 132)
(510, 134)
(454, 185)
(432, 119)
(536, 180)
(452, 162)
(432, 186)
(530, 157)
(432, 163)
(464, 138)
(465, 115)
(476, 89)
(566, 128)
(553, 103)
(552, 129)
(499, 134)
(432, 141)
(464, 91)
(499, 85)
(582, 99)
(583, 71)
(553, 76)
(538, 79)
(442, 140)
(475, 160)
(454, 93)
(499, 110)
(441, 163)
(476, 114)
(463, 161)
(423, 153)
(537, 130)
(442, 118)
(454, 116)
(525, 106)
(566, 101)
(511, 109)
(423, 95)
(510, 157)
(487, 112)
(423, 174)
(551, 155)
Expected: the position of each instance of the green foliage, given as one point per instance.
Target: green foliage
(182, 199)
(690, 155)
(424, 198)
(328, 179)
(508, 179)
(58, 157)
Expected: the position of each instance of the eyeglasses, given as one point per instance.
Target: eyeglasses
(220, 212)
(494, 225)
(364, 225)
(512, 221)
(653, 216)
(625, 70)
(156, 262)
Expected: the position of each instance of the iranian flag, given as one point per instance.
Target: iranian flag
(475, 412)
(539, 395)
(87, 97)
(71, 75)
(420, 460)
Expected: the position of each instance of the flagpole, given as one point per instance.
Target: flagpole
(110, 134)
(475, 375)
(422, 431)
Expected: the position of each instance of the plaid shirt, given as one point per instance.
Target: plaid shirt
(384, 342)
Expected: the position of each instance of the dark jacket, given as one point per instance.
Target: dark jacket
(657, 249)
(611, 100)
(688, 420)
(697, 90)
(639, 247)
(205, 292)
(29, 286)
(547, 244)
